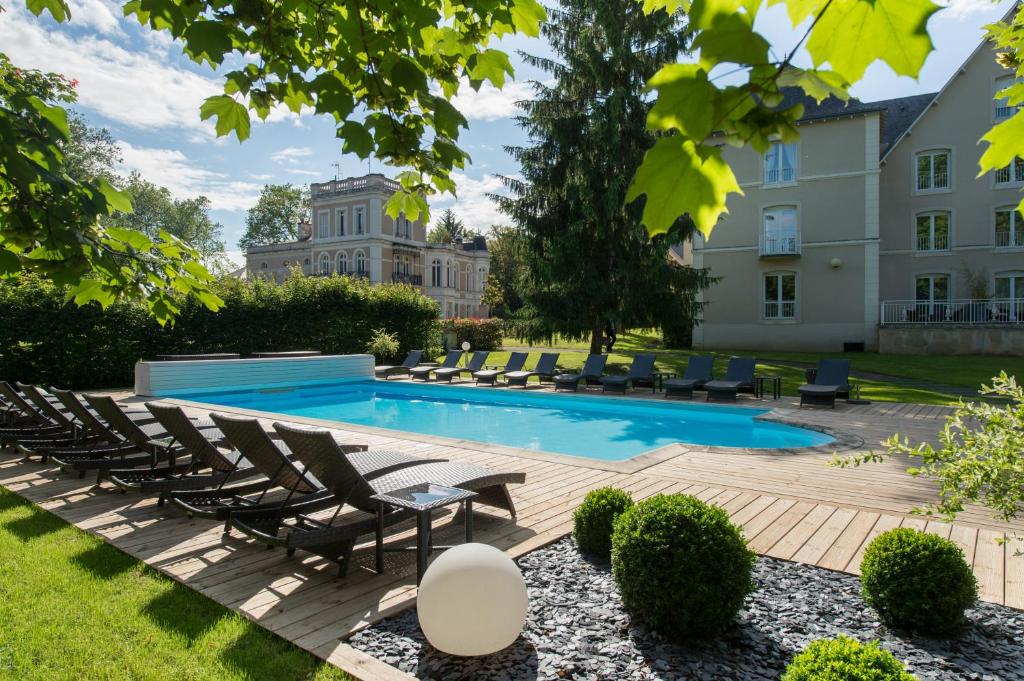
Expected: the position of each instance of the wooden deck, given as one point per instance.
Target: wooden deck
(790, 506)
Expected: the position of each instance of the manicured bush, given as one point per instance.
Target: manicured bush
(594, 518)
(482, 334)
(681, 566)
(916, 580)
(45, 340)
(384, 347)
(845, 659)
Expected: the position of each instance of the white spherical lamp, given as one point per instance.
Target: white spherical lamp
(472, 601)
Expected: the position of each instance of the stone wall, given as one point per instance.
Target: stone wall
(951, 340)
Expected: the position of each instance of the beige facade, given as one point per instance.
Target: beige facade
(873, 217)
(351, 235)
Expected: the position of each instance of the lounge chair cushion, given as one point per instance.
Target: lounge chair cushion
(816, 390)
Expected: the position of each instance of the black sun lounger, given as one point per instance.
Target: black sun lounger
(515, 362)
(831, 380)
(475, 364)
(591, 372)
(451, 360)
(640, 374)
(698, 372)
(386, 371)
(545, 369)
(738, 376)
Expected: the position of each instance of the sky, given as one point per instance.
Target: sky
(138, 84)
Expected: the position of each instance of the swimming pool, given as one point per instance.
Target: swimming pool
(608, 428)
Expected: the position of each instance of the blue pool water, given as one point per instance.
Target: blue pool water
(608, 428)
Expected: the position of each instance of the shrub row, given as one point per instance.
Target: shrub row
(44, 340)
(482, 334)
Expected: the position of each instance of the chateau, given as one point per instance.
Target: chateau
(352, 236)
(873, 230)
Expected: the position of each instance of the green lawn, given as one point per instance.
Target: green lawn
(960, 371)
(73, 607)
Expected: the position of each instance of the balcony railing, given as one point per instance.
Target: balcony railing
(929, 181)
(963, 312)
(780, 243)
(414, 279)
(780, 310)
(354, 184)
(1004, 111)
(939, 243)
(1010, 239)
(779, 175)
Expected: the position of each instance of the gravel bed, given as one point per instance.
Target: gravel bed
(577, 629)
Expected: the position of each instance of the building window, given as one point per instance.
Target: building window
(325, 263)
(482, 276)
(1011, 174)
(435, 273)
(339, 217)
(1002, 106)
(1009, 228)
(263, 265)
(780, 295)
(360, 220)
(1009, 299)
(342, 263)
(931, 289)
(360, 259)
(932, 231)
(323, 219)
(448, 273)
(780, 164)
(403, 228)
(933, 170)
(781, 232)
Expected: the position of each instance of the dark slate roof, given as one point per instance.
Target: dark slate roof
(897, 114)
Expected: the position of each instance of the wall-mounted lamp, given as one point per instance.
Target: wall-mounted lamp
(836, 263)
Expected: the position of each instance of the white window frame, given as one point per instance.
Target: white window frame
(342, 262)
(779, 302)
(1016, 225)
(931, 231)
(448, 273)
(1011, 175)
(435, 268)
(931, 154)
(325, 258)
(779, 179)
(482, 274)
(1001, 110)
(1011, 275)
(323, 224)
(359, 220)
(340, 221)
(359, 262)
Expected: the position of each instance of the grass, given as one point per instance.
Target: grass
(966, 372)
(74, 607)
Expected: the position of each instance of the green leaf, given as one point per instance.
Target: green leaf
(231, 116)
(208, 40)
(408, 77)
(852, 34)
(817, 83)
(55, 115)
(490, 65)
(685, 100)
(731, 39)
(117, 200)
(89, 290)
(412, 204)
(132, 237)
(356, 139)
(680, 177)
(1005, 144)
(527, 16)
(799, 10)
(447, 119)
(9, 263)
(58, 9)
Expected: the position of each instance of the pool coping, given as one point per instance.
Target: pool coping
(843, 440)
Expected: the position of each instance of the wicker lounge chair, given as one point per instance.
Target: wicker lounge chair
(591, 372)
(698, 372)
(738, 376)
(278, 474)
(640, 374)
(475, 364)
(830, 381)
(515, 362)
(335, 538)
(545, 369)
(387, 371)
(26, 420)
(451, 360)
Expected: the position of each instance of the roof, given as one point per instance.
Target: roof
(900, 114)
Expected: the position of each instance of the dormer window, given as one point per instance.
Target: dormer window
(933, 170)
(780, 164)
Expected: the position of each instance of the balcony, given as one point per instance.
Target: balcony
(927, 182)
(1010, 239)
(412, 279)
(779, 244)
(784, 175)
(353, 185)
(780, 310)
(963, 312)
(926, 243)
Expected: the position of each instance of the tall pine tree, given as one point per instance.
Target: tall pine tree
(589, 260)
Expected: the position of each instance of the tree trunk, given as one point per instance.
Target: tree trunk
(596, 336)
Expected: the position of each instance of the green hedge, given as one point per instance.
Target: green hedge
(45, 341)
(482, 334)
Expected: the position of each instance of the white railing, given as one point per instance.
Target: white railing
(926, 181)
(1005, 111)
(780, 243)
(1010, 239)
(939, 243)
(779, 175)
(780, 310)
(352, 184)
(962, 312)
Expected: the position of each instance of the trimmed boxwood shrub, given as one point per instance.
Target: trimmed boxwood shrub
(916, 580)
(47, 341)
(593, 519)
(681, 566)
(482, 334)
(845, 659)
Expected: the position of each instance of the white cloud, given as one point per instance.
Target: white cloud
(473, 206)
(311, 173)
(291, 155)
(261, 176)
(172, 169)
(490, 103)
(962, 9)
(102, 16)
